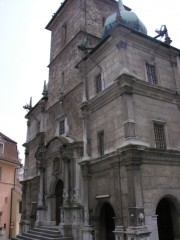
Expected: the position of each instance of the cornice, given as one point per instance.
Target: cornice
(133, 156)
(128, 84)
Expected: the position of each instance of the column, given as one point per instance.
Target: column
(87, 229)
(84, 109)
(119, 229)
(66, 182)
(40, 204)
(154, 227)
(76, 194)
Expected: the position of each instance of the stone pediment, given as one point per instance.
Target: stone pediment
(56, 143)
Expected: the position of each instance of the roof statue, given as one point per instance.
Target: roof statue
(28, 106)
(45, 90)
(124, 17)
(163, 32)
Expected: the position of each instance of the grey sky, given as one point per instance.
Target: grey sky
(25, 48)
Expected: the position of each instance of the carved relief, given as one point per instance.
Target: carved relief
(56, 165)
(65, 196)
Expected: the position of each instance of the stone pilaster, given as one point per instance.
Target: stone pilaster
(126, 92)
(117, 193)
(137, 229)
(119, 233)
(87, 229)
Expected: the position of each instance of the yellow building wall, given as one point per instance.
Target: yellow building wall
(9, 200)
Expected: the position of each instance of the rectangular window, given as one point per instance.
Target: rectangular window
(1, 150)
(38, 126)
(64, 34)
(103, 21)
(62, 127)
(62, 78)
(101, 143)
(98, 83)
(159, 133)
(20, 206)
(151, 73)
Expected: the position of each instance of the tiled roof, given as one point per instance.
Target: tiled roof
(7, 138)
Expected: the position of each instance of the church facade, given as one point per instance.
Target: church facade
(102, 158)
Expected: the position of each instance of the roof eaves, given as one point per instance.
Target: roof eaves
(92, 51)
(56, 13)
(7, 138)
(132, 30)
(35, 106)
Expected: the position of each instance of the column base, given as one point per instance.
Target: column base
(119, 233)
(66, 229)
(25, 225)
(138, 233)
(88, 233)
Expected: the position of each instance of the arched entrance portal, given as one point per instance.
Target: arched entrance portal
(59, 200)
(167, 220)
(107, 224)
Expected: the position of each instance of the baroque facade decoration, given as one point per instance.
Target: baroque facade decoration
(103, 148)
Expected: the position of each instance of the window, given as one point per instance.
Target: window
(151, 73)
(64, 34)
(62, 127)
(103, 21)
(1, 149)
(38, 126)
(100, 136)
(98, 83)
(20, 206)
(62, 78)
(159, 133)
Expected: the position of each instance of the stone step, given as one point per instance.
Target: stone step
(45, 232)
(44, 236)
(42, 233)
(26, 237)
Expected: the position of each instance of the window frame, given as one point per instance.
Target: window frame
(151, 73)
(98, 83)
(1, 147)
(160, 140)
(64, 34)
(101, 143)
(63, 127)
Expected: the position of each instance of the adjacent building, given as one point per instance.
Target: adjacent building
(10, 188)
(102, 157)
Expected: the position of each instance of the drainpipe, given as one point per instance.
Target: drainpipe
(12, 189)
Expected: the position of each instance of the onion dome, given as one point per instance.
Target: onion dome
(126, 18)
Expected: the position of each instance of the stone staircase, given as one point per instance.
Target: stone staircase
(42, 233)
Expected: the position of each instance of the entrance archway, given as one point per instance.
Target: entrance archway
(107, 224)
(59, 200)
(167, 220)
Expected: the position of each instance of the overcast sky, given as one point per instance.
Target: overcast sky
(25, 48)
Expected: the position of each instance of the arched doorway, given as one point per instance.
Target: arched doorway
(167, 220)
(59, 200)
(107, 224)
